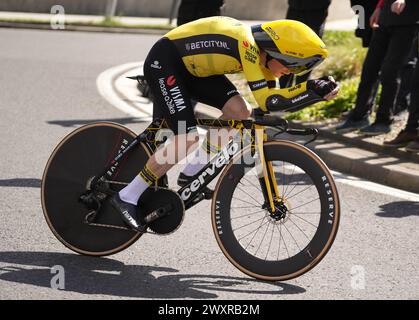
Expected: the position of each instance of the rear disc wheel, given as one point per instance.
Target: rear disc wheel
(78, 158)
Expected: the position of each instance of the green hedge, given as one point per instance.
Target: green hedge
(330, 109)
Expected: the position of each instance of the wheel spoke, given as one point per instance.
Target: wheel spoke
(252, 231)
(283, 240)
(280, 236)
(263, 238)
(300, 229)
(305, 212)
(257, 201)
(248, 224)
(260, 226)
(307, 222)
(247, 214)
(299, 191)
(270, 242)
(245, 202)
(292, 237)
(302, 205)
(257, 187)
(292, 174)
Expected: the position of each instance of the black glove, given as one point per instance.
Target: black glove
(322, 86)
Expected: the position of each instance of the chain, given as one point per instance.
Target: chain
(115, 227)
(110, 225)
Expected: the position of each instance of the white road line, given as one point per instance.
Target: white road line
(104, 83)
(375, 187)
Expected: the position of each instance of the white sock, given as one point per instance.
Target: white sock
(195, 163)
(132, 192)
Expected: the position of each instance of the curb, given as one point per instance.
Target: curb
(81, 28)
(379, 168)
(351, 154)
(358, 141)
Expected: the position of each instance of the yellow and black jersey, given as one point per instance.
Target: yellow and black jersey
(223, 45)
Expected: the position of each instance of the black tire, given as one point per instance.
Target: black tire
(82, 154)
(318, 228)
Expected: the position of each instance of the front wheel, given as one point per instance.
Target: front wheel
(285, 245)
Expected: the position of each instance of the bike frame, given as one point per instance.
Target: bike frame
(192, 193)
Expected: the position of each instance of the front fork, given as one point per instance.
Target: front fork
(265, 171)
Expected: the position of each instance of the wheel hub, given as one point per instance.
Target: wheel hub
(281, 210)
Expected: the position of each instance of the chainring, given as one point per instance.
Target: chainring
(154, 199)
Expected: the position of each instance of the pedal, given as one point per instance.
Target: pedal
(162, 210)
(159, 213)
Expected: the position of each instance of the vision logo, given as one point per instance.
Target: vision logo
(272, 33)
(171, 81)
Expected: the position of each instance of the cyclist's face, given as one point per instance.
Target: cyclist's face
(277, 68)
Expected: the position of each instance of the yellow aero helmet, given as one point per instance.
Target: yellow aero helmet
(292, 43)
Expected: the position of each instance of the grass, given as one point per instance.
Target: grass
(346, 56)
(106, 22)
(114, 22)
(330, 109)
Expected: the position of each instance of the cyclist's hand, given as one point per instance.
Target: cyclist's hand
(325, 87)
(374, 18)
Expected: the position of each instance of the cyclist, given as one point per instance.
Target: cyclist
(191, 61)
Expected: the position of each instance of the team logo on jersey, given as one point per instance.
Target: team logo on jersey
(206, 45)
(252, 52)
(171, 81)
(171, 94)
(156, 65)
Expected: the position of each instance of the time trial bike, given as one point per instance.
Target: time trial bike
(275, 207)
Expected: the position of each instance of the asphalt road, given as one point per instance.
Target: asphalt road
(47, 88)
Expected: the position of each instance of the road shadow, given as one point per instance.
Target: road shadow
(21, 182)
(104, 276)
(399, 209)
(81, 122)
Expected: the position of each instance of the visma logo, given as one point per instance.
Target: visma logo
(171, 81)
(246, 44)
